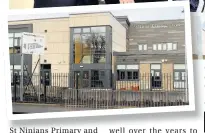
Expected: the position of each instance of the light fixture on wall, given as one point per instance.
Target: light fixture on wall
(164, 60)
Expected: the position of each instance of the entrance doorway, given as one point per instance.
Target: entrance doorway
(156, 76)
(89, 79)
(45, 74)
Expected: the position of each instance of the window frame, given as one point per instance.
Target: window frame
(82, 33)
(142, 47)
(180, 80)
(164, 46)
(126, 71)
(154, 70)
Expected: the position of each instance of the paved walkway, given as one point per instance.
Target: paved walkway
(36, 108)
(24, 108)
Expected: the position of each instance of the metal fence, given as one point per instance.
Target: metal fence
(146, 91)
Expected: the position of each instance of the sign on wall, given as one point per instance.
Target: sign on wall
(33, 43)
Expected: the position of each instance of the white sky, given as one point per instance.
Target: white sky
(134, 14)
(152, 14)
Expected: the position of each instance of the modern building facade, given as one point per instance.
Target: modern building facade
(81, 43)
(155, 56)
(104, 51)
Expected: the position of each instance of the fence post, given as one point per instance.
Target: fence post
(77, 86)
(44, 87)
(107, 99)
(96, 104)
(15, 76)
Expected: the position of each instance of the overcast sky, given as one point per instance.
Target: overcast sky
(152, 14)
(142, 14)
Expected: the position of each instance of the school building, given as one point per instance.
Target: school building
(106, 51)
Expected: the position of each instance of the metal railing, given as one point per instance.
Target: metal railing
(146, 91)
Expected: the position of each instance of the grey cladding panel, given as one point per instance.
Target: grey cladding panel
(151, 36)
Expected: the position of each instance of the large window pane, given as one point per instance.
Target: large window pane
(90, 47)
(183, 75)
(164, 46)
(77, 48)
(10, 42)
(174, 46)
(140, 47)
(145, 47)
(159, 46)
(157, 74)
(135, 75)
(86, 51)
(132, 67)
(86, 30)
(11, 35)
(169, 46)
(85, 78)
(98, 29)
(176, 75)
(18, 35)
(129, 75)
(120, 67)
(17, 42)
(77, 30)
(154, 47)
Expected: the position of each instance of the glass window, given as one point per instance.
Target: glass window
(132, 67)
(90, 47)
(183, 75)
(152, 72)
(77, 38)
(11, 35)
(120, 66)
(98, 29)
(145, 47)
(154, 47)
(77, 48)
(169, 46)
(179, 79)
(164, 46)
(77, 30)
(17, 42)
(155, 66)
(174, 46)
(18, 35)
(157, 73)
(96, 80)
(135, 75)
(159, 47)
(85, 38)
(180, 66)
(10, 42)
(129, 75)
(176, 76)
(86, 30)
(122, 75)
(140, 47)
